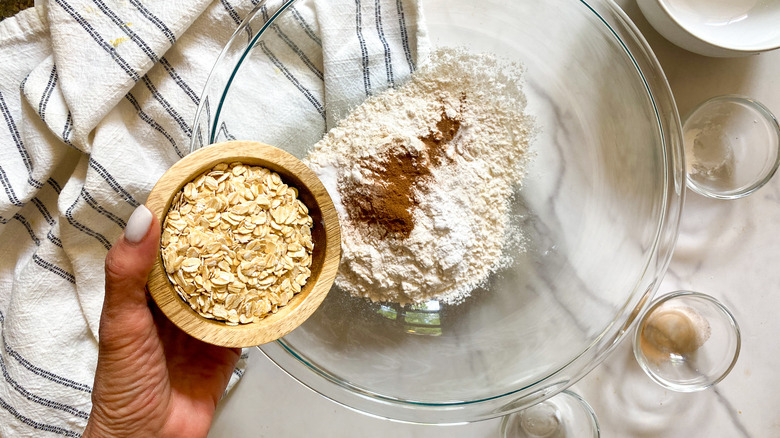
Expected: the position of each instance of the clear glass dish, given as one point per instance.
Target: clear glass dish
(732, 147)
(599, 206)
(687, 341)
(567, 415)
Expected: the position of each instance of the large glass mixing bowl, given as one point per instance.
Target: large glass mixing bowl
(599, 209)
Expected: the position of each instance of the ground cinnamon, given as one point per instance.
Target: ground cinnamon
(389, 197)
(437, 141)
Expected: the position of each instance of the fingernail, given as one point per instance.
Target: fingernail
(138, 224)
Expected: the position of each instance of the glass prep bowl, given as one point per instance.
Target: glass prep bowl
(599, 209)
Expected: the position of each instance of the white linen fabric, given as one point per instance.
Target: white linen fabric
(97, 100)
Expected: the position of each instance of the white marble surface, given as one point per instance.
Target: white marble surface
(728, 249)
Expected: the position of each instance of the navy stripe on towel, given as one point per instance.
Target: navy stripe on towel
(22, 220)
(19, 144)
(168, 107)
(9, 191)
(153, 123)
(381, 32)
(56, 270)
(112, 182)
(40, 371)
(264, 10)
(236, 18)
(363, 49)
(294, 47)
(231, 11)
(47, 93)
(37, 399)
(154, 20)
(129, 32)
(223, 129)
(306, 27)
(404, 34)
(85, 229)
(105, 45)
(36, 425)
(55, 185)
(309, 96)
(54, 239)
(146, 49)
(67, 130)
(179, 81)
(43, 210)
(99, 208)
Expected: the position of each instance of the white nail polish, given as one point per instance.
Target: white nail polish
(138, 224)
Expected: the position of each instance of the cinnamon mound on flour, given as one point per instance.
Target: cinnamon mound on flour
(398, 178)
(422, 177)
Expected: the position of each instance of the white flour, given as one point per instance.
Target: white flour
(461, 221)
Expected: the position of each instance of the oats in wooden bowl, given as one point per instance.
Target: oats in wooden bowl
(249, 247)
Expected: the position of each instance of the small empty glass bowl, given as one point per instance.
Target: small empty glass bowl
(731, 147)
(687, 341)
(564, 415)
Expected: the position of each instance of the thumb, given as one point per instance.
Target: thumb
(129, 261)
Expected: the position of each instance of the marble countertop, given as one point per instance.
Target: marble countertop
(727, 249)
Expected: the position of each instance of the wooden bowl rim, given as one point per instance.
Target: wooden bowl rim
(303, 303)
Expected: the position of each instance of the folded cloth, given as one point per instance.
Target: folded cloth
(98, 100)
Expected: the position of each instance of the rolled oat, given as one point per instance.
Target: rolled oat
(237, 243)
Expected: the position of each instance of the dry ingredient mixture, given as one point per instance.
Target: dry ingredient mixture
(422, 177)
(236, 243)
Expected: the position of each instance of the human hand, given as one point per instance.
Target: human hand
(152, 379)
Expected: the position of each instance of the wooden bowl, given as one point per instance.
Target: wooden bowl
(326, 237)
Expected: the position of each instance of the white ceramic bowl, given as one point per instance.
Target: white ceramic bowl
(722, 28)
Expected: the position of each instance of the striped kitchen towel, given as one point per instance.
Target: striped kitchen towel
(98, 99)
